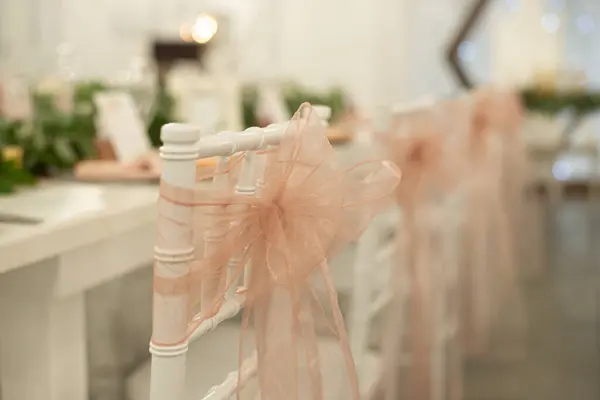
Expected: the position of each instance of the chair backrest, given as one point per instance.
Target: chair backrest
(181, 148)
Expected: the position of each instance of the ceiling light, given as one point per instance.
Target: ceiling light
(204, 29)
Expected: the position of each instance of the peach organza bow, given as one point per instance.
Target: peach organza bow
(282, 236)
(517, 180)
(417, 144)
(490, 270)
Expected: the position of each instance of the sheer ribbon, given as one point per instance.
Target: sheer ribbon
(490, 275)
(518, 180)
(417, 144)
(281, 237)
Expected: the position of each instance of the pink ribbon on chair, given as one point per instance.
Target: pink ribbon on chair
(306, 210)
(518, 184)
(417, 144)
(490, 271)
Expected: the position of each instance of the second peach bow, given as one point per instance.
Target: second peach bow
(490, 268)
(416, 142)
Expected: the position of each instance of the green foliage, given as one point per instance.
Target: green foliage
(545, 102)
(54, 141)
(294, 96)
(163, 114)
(249, 102)
(12, 176)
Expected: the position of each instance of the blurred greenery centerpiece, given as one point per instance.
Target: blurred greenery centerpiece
(553, 92)
(294, 95)
(164, 111)
(56, 138)
(61, 131)
(559, 103)
(552, 103)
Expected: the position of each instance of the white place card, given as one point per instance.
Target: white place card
(210, 101)
(119, 121)
(204, 109)
(15, 99)
(271, 104)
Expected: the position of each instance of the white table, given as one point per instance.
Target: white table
(90, 234)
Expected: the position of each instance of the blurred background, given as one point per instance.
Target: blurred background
(230, 64)
(372, 49)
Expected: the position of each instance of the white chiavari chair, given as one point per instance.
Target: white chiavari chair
(210, 358)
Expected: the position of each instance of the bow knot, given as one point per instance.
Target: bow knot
(421, 159)
(270, 213)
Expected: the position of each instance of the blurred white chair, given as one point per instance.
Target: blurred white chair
(439, 219)
(369, 287)
(371, 292)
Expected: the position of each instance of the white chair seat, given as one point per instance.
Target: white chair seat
(213, 357)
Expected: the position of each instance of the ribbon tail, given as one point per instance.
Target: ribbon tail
(305, 325)
(536, 252)
(504, 260)
(240, 388)
(451, 307)
(531, 212)
(421, 308)
(508, 302)
(390, 384)
(353, 386)
(477, 297)
(286, 340)
(275, 332)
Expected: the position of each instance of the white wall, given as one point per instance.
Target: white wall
(582, 38)
(522, 47)
(381, 50)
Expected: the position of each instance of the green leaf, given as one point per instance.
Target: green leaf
(552, 103)
(64, 152)
(294, 96)
(11, 176)
(6, 185)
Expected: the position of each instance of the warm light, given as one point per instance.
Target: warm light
(185, 32)
(204, 29)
